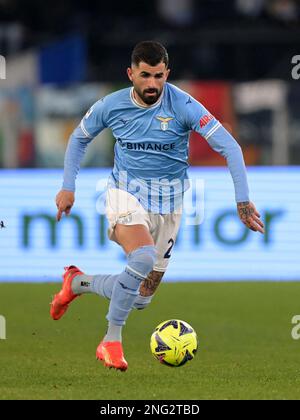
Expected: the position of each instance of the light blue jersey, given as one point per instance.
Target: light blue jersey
(151, 150)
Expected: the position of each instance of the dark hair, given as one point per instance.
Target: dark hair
(150, 52)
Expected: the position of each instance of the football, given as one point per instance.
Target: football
(174, 343)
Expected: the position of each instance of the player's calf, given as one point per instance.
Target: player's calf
(151, 283)
(126, 288)
(147, 289)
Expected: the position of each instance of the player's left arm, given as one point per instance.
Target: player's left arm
(220, 140)
(223, 142)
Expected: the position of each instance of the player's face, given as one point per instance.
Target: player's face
(148, 81)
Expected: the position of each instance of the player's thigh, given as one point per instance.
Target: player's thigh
(128, 220)
(131, 237)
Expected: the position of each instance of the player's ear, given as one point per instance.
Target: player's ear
(129, 73)
(168, 72)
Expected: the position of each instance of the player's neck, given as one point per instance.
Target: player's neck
(140, 102)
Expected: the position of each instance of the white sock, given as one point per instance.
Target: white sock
(114, 333)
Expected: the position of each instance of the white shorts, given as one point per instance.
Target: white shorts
(123, 208)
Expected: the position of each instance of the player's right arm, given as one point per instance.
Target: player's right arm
(90, 126)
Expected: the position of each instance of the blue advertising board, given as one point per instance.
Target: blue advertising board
(33, 247)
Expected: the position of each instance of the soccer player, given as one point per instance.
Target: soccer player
(151, 122)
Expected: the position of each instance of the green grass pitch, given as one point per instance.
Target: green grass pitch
(245, 346)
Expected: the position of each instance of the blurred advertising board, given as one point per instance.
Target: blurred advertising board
(33, 247)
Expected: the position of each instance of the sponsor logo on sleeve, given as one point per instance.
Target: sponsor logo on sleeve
(205, 120)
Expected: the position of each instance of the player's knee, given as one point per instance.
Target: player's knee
(141, 302)
(142, 260)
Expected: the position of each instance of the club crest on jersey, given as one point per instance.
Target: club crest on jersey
(164, 122)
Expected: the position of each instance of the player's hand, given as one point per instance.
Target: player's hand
(64, 202)
(250, 216)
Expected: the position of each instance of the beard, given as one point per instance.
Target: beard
(149, 96)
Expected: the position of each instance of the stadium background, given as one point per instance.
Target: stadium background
(57, 65)
(236, 57)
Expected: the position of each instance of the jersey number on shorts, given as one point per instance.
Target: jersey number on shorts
(168, 253)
